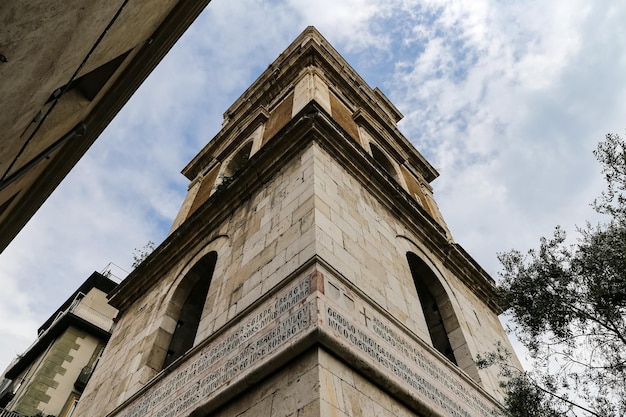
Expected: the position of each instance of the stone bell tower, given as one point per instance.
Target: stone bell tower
(308, 273)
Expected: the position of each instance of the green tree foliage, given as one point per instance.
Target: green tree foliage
(568, 307)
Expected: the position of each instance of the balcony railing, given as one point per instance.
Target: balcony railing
(93, 316)
(6, 413)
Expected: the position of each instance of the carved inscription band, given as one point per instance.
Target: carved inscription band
(402, 359)
(238, 349)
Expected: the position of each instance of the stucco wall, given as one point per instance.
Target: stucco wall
(52, 379)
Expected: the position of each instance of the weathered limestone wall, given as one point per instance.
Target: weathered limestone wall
(292, 391)
(365, 242)
(315, 307)
(346, 393)
(312, 260)
(268, 237)
(313, 206)
(310, 87)
(315, 384)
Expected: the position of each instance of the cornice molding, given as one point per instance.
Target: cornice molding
(312, 124)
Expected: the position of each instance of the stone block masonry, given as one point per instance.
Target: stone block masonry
(356, 234)
(325, 264)
(393, 354)
(297, 318)
(229, 358)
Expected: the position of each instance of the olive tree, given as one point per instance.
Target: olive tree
(567, 305)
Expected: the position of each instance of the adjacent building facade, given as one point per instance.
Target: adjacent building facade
(309, 271)
(67, 67)
(49, 378)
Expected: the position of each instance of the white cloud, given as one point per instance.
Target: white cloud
(348, 22)
(493, 95)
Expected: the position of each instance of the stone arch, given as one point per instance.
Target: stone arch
(239, 158)
(188, 275)
(435, 304)
(187, 304)
(433, 291)
(384, 161)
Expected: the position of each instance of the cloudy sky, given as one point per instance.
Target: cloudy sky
(507, 99)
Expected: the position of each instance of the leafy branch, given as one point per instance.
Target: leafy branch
(139, 255)
(568, 306)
